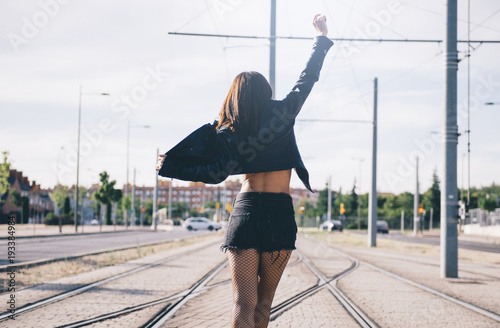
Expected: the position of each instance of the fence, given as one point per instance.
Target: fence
(353, 223)
(483, 218)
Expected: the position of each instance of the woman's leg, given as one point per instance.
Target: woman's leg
(244, 266)
(271, 267)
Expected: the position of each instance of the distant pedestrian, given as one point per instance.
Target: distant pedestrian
(254, 137)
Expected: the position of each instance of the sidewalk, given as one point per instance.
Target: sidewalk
(42, 230)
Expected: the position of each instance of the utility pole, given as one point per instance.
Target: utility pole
(78, 160)
(142, 206)
(372, 199)
(272, 48)
(432, 214)
(402, 222)
(416, 202)
(132, 208)
(329, 202)
(449, 203)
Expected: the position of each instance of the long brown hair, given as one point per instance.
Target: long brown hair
(242, 109)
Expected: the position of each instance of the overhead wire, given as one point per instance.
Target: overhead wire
(194, 18)
(355, 77)
(477, 25)
(367, 16)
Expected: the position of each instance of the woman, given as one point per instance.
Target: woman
(254, 137)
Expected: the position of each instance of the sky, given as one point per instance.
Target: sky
(174, 84)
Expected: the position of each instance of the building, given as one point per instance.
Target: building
(196, 194)
(40, 203)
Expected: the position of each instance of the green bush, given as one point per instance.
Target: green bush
(52, 219)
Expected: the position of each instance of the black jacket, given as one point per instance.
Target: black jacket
(209, 155)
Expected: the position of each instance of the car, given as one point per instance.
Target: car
(382, 226)
(200, 223)
(94, 222)
(331, 225)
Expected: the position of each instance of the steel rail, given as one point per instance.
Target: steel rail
(85, 288)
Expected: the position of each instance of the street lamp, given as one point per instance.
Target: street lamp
(58, 161)
(128, 149)
(78, 148)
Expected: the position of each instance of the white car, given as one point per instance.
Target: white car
(201, 223)
(331, 225)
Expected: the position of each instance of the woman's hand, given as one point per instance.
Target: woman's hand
(159, 163)
(319, 23)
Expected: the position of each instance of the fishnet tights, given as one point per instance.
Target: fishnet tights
(255, 276)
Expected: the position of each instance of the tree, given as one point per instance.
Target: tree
(107, 194)
(488, 202)
(4, 174)
(322, 204)
(23, 202)
(353, 201)
(66, 206)
(59, 196)
(432, 199)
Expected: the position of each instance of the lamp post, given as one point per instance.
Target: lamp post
(78, 148)
(128, 150)
(57, 187)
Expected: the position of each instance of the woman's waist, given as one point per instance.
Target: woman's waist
(263, 195)
(269, 182)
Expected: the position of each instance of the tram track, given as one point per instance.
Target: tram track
(173, 303)
(82, 289)
(455, 300)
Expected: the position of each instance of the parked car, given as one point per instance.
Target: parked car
(201, 223)
(94, 222)
(382, 226)
(331, 225)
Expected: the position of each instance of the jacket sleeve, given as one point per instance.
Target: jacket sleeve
(213, 169)
(295, 99)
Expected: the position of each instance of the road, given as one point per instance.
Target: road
(435, 240)
(39, 248)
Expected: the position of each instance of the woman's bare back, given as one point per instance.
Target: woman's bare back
(274, 181)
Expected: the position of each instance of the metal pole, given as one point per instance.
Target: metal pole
(372, 201)
(329, 201)
(432, 214)
(132, 209)
(272, 48)
(125, 213)
(155, 196)
(78, 159)
(81, 214)
(416, 203)
(142, 205)
(449, 193)
(402, 222)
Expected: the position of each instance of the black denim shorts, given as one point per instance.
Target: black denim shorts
(261, 220)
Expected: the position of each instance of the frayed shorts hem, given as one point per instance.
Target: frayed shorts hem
(224, 248)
